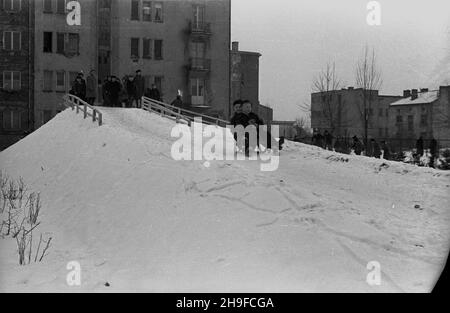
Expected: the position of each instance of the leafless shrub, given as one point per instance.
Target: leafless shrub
(20, 217)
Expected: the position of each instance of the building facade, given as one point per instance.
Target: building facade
(245, 80)
(181, 46)
(341, 112)
(424, 113)
(61, 52)
(16, 70)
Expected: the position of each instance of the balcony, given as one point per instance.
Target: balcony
(199, 64)
(200, 29)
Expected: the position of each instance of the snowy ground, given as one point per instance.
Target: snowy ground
(116, 202)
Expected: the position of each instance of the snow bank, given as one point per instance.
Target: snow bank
(116, 202)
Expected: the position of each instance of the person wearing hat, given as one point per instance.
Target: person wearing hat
(139, 85)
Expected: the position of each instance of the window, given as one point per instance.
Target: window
(410, 122)
(60, 41)
(146, 11)
(105, 4)
(61, 6)
(424, 120)
(46, 116)
(197, 91)
(60, 81)
(48, 81)
(399, 119)
(197, 49)
(12, 5)
(48, 42)
(135, 48)
(135, 10)
(12, 40)
(47, 6)
(73, 43)
(158, 12)
(11, 80)
(147, 53)
(158, 49)
(199, 14)
(11, 120)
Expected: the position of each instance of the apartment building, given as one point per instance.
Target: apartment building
(424, 113)
(181, 46)
(16, 70)
(61, 52)
(341, 112)
(245, 80)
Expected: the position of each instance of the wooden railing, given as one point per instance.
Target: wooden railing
(79, 105)
(171, 111)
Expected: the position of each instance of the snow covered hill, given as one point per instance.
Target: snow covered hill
(115, 201)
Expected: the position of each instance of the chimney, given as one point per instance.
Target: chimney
(414, 94)
(235, 46)
(406, 93)
(424, 90)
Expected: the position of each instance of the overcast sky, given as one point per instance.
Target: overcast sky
(298, 37)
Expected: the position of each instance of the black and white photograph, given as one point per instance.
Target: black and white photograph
(219, 147)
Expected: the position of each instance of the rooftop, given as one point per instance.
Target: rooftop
(422, 98)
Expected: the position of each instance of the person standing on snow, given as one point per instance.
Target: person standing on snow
(375, 148)
(139, 85)
(386, 150)
(328, 140)
(419, 146)
(91, 87)
(79, 88)
(357, 146)
(433, 151)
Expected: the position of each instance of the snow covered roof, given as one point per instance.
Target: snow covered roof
(422, 97)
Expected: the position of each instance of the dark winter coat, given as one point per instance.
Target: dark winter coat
(154, 94)
(177, 103)
(433, 147)
(115, 90)
(79, 89)
(131, 89)
(376, 150)
(91, 87)
(139, 85)
(419, 146)
(254, 119)
(239, 119)
(386, 151)
(358, 147)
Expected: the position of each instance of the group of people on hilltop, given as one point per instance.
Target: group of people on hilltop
(128, 92)
(85, 89)
(244, 116)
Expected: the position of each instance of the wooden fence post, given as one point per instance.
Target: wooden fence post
(94, 113)
(85, 110)
(100, 120)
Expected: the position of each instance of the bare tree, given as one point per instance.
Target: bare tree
(326, 82)
(368, 78)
